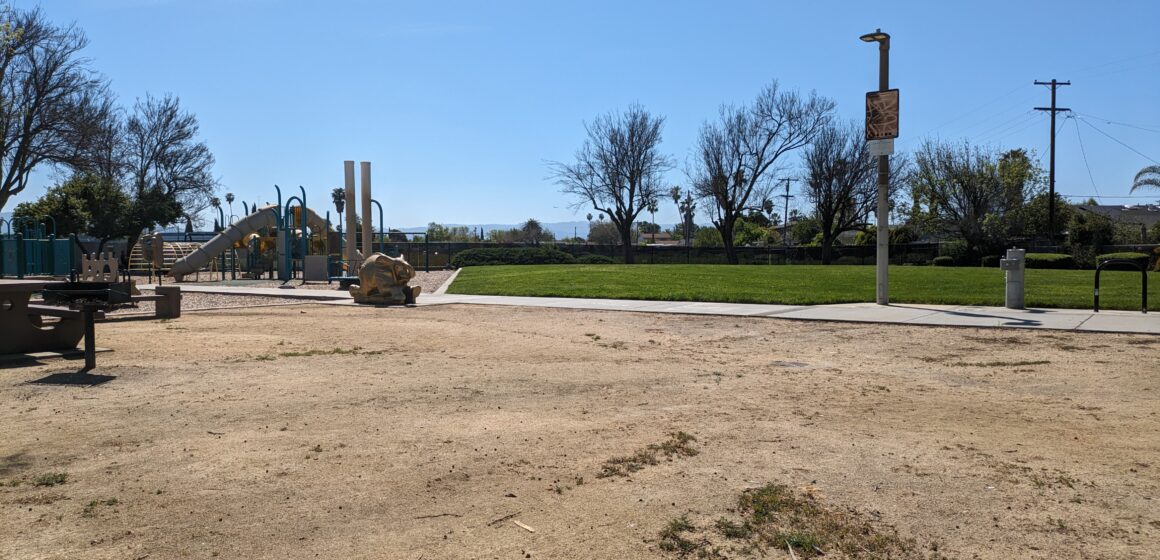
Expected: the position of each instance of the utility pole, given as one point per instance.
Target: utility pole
(785, 217)
(1051, 168)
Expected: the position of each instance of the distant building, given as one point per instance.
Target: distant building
(1144, 214)
(658, 238)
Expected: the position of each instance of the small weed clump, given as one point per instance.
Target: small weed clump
(678, 444)
(672, 536)
(51, 479)
(90, 509)
(734, 530)
(1001, 363)
(775, 517)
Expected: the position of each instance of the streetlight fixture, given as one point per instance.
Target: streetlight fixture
(882, 260)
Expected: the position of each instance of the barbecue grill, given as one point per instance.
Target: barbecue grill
(89, 298)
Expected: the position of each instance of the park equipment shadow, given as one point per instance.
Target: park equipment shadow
(1007, 321)
(79, 378)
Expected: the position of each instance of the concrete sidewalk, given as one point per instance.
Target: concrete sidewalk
(903, 314)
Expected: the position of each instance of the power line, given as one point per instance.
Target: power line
(1116, 140)
(1085, 159)
(1011, 132)
(1010, 124)
(1081, 71)
(1098, 196)
(976, 109)
(1147, 128)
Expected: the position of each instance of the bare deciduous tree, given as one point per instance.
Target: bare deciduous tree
(164, 161)
(735, 160)
(840, 182)
(51, 103)
(618, 170)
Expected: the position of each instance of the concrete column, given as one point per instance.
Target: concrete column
(351, 249)
(368, 219)
(170, 306)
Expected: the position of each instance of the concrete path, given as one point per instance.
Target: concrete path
(905, 314)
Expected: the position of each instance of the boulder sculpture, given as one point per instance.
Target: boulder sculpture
(382, 280)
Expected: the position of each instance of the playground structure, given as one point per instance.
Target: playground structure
(288, 238)
(31, 248)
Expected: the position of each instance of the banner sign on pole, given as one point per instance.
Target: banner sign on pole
(882, 114)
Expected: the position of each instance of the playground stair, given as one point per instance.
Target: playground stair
(140, 265)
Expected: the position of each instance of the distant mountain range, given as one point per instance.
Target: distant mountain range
(560, 229)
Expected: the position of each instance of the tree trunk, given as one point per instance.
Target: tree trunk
(726, 229)
(827, 244)
(626, 239)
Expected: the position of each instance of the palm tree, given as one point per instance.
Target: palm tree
(338, 196)
(652, 210)
(230, 201)
(1147, 178)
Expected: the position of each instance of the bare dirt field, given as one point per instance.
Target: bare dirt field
(315, 431)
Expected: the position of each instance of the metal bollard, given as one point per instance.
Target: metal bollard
(1014, 265)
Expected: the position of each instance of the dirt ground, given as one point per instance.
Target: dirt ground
(318, 431)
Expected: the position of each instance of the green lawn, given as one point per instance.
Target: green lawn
(803, 284)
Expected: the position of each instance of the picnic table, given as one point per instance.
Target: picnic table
(24, 327)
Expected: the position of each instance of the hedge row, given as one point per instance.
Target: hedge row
(510, 255)
(1050, 260)
(1138, 258)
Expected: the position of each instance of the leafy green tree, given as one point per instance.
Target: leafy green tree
(532, 232)
(708, 237)
(751, 234)
(603, 233)
(648, 227)
(804, 231)
(1089, 228)
(84, 204)
(438, 232)
(955, 187)
(1034, 215)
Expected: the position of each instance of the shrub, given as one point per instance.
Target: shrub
(1138, 258)
(1050, 260)
(510, 255)
(958, 252)
(943, 261)
(991, 261)
(594, 259)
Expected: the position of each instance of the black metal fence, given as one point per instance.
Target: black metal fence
(437, 255)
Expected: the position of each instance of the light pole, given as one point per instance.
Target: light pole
(883, 257)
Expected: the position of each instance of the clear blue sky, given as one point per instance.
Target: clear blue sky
(459, 104)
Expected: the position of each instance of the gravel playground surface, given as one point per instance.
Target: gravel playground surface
(506, 432)
(430, 281)
(194, 301)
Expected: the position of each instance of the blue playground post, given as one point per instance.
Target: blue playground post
(382, 228)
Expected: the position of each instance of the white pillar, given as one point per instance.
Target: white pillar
(351, 249)
(368, 219)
